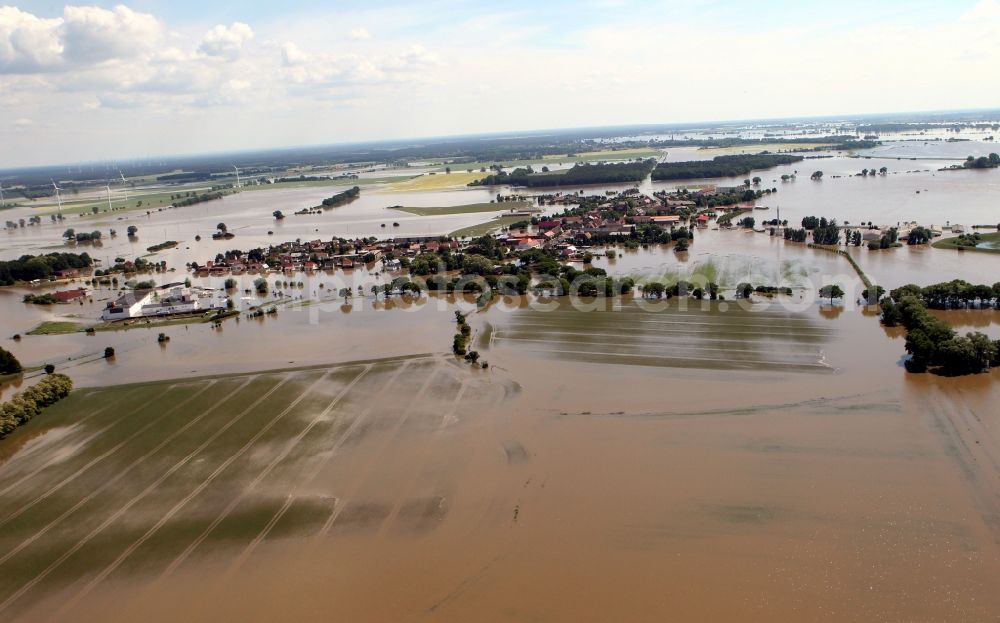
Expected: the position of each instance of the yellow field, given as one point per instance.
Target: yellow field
(637, 152)
(439, 181)
(756, 149)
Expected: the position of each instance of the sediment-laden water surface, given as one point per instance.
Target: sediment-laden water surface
(645, 463)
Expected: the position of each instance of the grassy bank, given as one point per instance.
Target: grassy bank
(57, 327)
(950, 243)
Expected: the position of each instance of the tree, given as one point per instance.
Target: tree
(70, 234)
(919, 235)
(9, 363)
(832, 292)
(132, 231)
(230, 284)
(277, 215)
(222, 227)
(817, 175)
(109, 352)
(872, 295)
(49, 368)
(654, 289)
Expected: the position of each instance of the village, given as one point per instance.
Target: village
(570, 235)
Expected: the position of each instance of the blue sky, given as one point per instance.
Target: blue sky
(112, 80)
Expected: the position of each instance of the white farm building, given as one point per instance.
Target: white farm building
(166, 300)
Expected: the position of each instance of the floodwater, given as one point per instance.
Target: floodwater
(831, 487)
(619, 460)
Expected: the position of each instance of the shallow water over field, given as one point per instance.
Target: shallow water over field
(678, 464)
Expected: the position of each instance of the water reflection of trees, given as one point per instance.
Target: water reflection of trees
(831, 312)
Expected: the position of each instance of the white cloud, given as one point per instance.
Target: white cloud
(82, 37)
(330, 70)
(226, 42)
(70, 69)
(91, 34)
(292, 55)
(28, 43)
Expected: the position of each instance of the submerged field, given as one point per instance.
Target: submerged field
(644, 464)
(146, 479)
(470, 208)
(662, 335)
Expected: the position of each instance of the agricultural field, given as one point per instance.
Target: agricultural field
(469, 208)
(664, 335)
(138, 200)
(438, 181)
(145, 480)
(484, 228)
(616, 154)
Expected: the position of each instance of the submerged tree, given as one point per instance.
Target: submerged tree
(832, 291)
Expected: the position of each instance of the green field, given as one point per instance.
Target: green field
(57, 327)
(139, 481)
(484, 228)
(150, 201)
(469, 208)
(155, 199)
(992, 239)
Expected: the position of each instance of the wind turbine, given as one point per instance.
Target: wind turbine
(124, 184)
(58, 198)
(238, 184)
(108, 187)
(1, 194)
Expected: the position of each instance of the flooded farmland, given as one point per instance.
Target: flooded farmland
(620, 458)
(792, 472)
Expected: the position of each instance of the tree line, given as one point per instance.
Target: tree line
(930, 341)
(31, 267)
(9, 363)
(22, 407)
(720, 166)
(342, 198)
(585, 173)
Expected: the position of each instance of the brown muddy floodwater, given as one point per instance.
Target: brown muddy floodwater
(646, 464)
